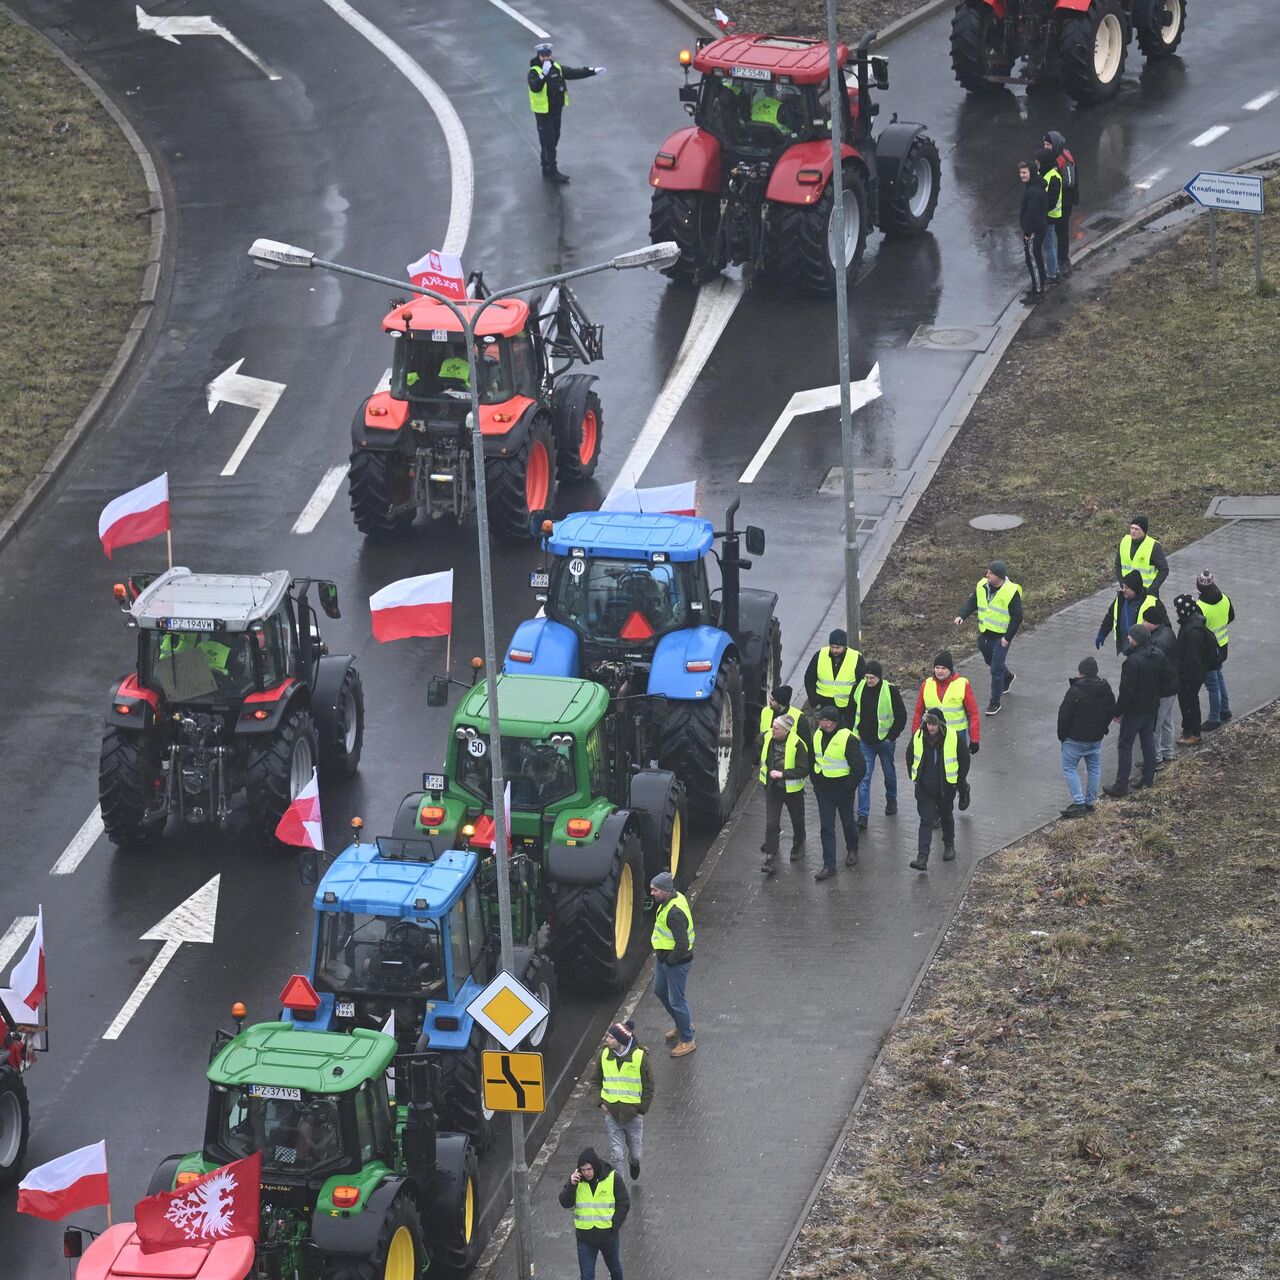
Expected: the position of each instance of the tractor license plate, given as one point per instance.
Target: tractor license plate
(344, 1008)
(540, 581)
(275, 1091)
(433, 782)
(189, 624)
(752, 73)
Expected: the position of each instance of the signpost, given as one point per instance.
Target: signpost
(1236, 193)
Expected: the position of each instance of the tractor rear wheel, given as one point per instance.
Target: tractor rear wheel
(540, 977)
(279, 765)
(703, 744)
(1160, 39)
(523, 483)
(798, 244)
(452, 1216)
(398, 1255)
(907, 203)
(377, 480)
(657, 798)
(978, 47)
(597, 929)
(340, 757)
(770, 673)
(579, 462)
(691, 219)
(462, 1085)
(132, 800)
(15, 1125)
(1093, 47)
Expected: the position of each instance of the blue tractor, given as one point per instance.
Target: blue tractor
(403, 931)
(628, 603)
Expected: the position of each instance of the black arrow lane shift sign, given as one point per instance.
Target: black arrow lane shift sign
(510, 1076)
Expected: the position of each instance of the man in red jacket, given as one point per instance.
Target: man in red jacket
(953, 695)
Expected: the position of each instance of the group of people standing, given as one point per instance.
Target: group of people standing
(1050, 191)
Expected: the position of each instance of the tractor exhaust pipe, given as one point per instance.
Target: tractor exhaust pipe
(731, 570)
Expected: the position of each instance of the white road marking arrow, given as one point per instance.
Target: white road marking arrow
(190, 921)
(171, 28)
(235, 387)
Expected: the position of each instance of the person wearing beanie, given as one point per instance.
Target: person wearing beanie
(548, 97)
(780, 704)
(879, 717)
(997, 600)
(838, 767)
(672, 942)
(1084, 719)
(1139, 551)
(938, 764)
(831, 674)
(624, 1081)
(1197, 653)
(600, 1202)
(1131, 605)
(1218, 612)
(1144, 674)
(954, 695)
(784, 765)
(1160, 630)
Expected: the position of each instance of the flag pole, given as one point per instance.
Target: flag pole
(104, 1161)
(448, 649)
(168, 537)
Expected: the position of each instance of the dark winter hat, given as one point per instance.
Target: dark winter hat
(829, 713)
(944, 659)
(588, 1156)
(999, 568)
(1133, 580)
(1157, 615)
(782, 695)
(1140, 521)
(1185, 606)
(664, 882)
(620, 1031)
(935, 715)
(875, 669)
(1139, 635)
(1204, 579)
(1088, 667)
(839, 637)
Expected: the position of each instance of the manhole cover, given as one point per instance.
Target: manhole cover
(995, 522)
(953, 337)
(868, 482)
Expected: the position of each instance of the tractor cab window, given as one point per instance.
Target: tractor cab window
(621, 601)
(756, 117)
(458, 946)
(379, 955)
(598, 761)
(295, 1135)
(433, 367)
(199, 666)
(538, 771)
(272, 641)
(524, 367)
(373, 1123)
(475, 924)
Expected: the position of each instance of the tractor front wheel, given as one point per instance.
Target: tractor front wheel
(540, 977)
(340, 755)
(703, 744)
(522, 483)
(15, 1125)
(462, 1084)
(799, 244)
(978, 47)
(691, 219)
(130, 787)
(908, 201)
(1093, 45)
(398, 1255)
(378, 479)
(1160, 36)
(579, 461)
(452, 1216)
(279, 765)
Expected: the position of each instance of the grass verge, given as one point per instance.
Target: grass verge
(1144, 392)
(1085, 1085)
(74, 208)
(809, 17)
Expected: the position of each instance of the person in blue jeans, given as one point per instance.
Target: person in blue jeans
(672, 941)
(1084, 718)
(879, 717)
(1218, 612)
(600, 1202)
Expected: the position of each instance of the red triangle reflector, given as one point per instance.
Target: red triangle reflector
(636, 627)
(299, 995)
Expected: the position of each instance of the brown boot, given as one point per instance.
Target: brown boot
(684, 1047)
(672, 1035)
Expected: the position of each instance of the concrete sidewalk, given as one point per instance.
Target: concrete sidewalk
(796, 984)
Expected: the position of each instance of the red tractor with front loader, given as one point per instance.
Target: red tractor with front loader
(750, 182)
(1080, 44)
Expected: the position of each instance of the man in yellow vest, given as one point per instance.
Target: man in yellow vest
(838, 767)
(780, 704)
(672, 942)
(997, 600)
(831, 674)
(1051, 176)
(548, 98)
(1131, 606)
(784, 765)
(880, 716)
(953, 696)
(624, 1080)
(1139, 550)
(938, 763)
(1218, 612)
(600, 1202)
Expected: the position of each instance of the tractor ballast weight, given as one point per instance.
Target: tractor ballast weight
(751, 181)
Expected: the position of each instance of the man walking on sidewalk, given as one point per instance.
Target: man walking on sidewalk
(838, 767)
(779, 704)
(1140, 551)
(953, 695)
(600, 1202)
(1144, 674)
(1218, 611)
(997, 600)
(672, 941)
(1162, 637)
(879, 716)
(1130, 606)
(1084, 719)
(938, 763)
(625, 1083)
(1197, 652)
(832, 672)
(784, 765)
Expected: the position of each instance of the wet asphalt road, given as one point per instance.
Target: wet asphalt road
(342, 155)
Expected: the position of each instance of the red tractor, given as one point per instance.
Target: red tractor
(1078, 43)
(750, 181)
(411, 445)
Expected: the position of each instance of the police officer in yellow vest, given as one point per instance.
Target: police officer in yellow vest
(1139, 550)
(548, 98)
(784, 765)
(831, 674)
(938, 764)
(600, 1202)
(1218, 612)
(838, 767)
(997, 600)
(1131, 605)
(672, 941)
(624, 1081)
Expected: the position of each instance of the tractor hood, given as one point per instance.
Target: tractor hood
(533, 706)
(278, 1055)
(363, 882)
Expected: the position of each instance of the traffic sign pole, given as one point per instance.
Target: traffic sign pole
(1213, 248)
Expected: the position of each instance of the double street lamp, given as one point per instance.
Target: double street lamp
(273, 253)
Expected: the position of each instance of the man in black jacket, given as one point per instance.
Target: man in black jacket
(938, 764)
(1157, 623)
(838, 767)
(1197, 655)
(1034, 221)
(547, 98)
(600, 1202)
(1144, 674)
(1083, 721)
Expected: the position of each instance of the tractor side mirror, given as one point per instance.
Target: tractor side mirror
(880, 70)
(308, 868)
(438, 691)
(72, 1242)
(329, 599)
(689, 94)
(753, 535)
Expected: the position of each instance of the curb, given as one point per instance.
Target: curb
(895, 28)
(155, 282)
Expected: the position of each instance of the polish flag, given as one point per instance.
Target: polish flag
(135, 516)
(301, 824)
(27, 992)
(663, 499)
(66, 1185)
(440, 272)
(724, 22)
(413, 607)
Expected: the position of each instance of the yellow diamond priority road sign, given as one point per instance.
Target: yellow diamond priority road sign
(508, 1011)
(513, 1081)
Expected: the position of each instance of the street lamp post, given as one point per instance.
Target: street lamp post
(272, 253)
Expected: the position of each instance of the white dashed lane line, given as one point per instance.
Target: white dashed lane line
(1210, 135)
(13, 938)
(521, 19)
(1150, 180)
(1256, 104)
(83, 840)
(319, 502)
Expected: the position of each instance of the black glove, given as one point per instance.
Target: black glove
(973, 748)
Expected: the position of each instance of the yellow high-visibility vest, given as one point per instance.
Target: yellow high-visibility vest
(950, 754)
(621, 1078)
(829, 759)
(884, 707)
(788, 761)
(593, 1210)
(950, 703)
(538, 100)
(836, 686)
(663, 939)
(768, 716)
(993, 614)
(1215, 618)
(1055, 202)
(1138, 556)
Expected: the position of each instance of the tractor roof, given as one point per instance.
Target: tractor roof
(534, 706)
(232, 601)
(505, 318)
(800, 61)
(276, 1053)
(630, 535)
(360, 881)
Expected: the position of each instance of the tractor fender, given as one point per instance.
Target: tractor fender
(669, 675)
(1070, 6)
(694, 163)
(359, 1232)
(277, 702)
(568, 404)
(999, 7)
(892, 145)
(756, 609)
(504, 437)
(589, 863)
(143, 705)
(380, 422)
(553, 649)
(785, 186)
(166, 1172)
(330, 673)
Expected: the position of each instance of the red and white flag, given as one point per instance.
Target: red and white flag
(663, 499)
(440, 272)
(222, 1204)
(413, 607)
(26, 993)
(135, 516)
(66, 1185)
(301, 824)
(724, 22)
